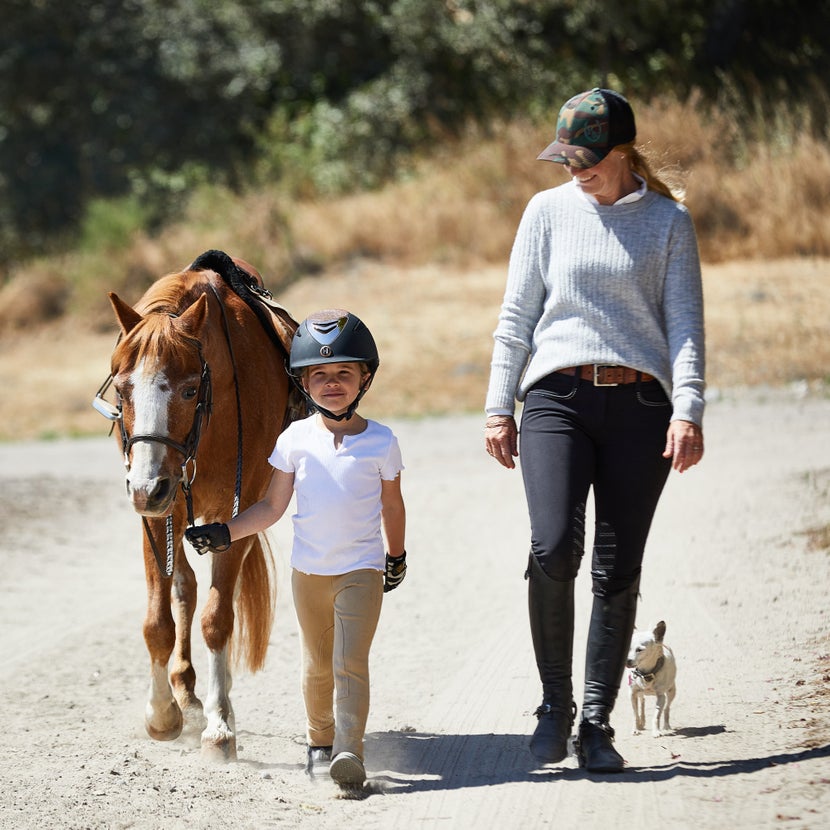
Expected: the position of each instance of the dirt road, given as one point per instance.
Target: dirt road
(736, 566)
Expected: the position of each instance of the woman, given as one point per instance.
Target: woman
(601, 335)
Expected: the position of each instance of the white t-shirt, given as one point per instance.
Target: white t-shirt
(337, 526)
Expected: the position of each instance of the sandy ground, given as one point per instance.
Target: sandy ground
(736, 566)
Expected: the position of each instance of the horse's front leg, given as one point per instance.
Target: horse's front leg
(182, 673)
(219, 736)
(162, 715)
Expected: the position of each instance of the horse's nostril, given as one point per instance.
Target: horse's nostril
(161, 491)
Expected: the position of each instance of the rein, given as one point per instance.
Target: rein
(238, 487)
(187, 449)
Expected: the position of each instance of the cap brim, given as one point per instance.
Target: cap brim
(571, 154)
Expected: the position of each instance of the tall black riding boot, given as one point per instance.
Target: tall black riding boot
(551, 609)
(609, 639)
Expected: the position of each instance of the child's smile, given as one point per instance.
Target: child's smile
(334, 385)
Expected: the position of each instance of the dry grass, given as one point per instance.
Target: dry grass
(750, 200)
(756, 191)
(767, 321)
(766, 325)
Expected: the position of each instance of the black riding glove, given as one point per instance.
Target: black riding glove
(213, 537)
(395, 571)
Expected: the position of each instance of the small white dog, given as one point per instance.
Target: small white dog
(652, 671)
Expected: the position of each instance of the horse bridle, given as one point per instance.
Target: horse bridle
(191, 443)
(188, 449)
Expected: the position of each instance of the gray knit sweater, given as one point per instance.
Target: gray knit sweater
(589, 283)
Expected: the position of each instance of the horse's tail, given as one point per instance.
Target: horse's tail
(255, 605)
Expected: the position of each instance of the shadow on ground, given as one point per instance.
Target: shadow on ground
(419, 762)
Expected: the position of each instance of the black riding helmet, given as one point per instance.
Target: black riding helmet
(332, 336)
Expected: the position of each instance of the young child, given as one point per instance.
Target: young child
(346, 473)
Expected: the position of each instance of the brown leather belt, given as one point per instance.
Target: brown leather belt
(604, 375)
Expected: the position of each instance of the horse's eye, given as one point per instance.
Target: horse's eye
(189, 393)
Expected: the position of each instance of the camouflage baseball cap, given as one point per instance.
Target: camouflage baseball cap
(589, 126)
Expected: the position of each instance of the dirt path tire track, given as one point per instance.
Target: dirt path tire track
(728, 567)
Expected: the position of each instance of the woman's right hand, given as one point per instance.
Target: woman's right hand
(501, 438)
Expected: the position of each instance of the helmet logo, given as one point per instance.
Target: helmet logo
(326, 331)
(325, 351)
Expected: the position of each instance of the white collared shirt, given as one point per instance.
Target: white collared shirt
(629, 197)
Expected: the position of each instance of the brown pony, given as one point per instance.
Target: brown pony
(202, 393)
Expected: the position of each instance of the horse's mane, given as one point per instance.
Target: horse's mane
(252, 292)
(169, 296)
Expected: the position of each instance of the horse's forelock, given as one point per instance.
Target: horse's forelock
(154, 341)
(157, 336)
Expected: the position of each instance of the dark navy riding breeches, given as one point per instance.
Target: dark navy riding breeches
(576, 436)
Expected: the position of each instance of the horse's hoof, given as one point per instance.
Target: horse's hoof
(193, 713)
(219, 751)
(194, 721)
(166, 726)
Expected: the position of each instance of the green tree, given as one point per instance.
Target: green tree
(100, 98)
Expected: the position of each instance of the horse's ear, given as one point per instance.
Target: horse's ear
(128, 317)
(192, 320)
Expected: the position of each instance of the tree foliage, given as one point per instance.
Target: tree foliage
(102, 98)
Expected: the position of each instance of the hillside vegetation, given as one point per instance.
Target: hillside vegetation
(423, 261)
(757, 190)
(148, 100)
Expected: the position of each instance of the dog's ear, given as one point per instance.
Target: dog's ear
(660, 631)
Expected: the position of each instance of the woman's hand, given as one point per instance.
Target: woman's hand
(684, 445)
(501, 438)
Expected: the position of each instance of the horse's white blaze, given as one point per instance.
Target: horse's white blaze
(151, 393)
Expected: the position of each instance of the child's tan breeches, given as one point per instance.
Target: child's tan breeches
(338, 616)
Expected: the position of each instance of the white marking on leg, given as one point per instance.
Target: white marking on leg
(220, 729)
(162, 715)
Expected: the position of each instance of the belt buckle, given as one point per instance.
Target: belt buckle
(597, 368)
